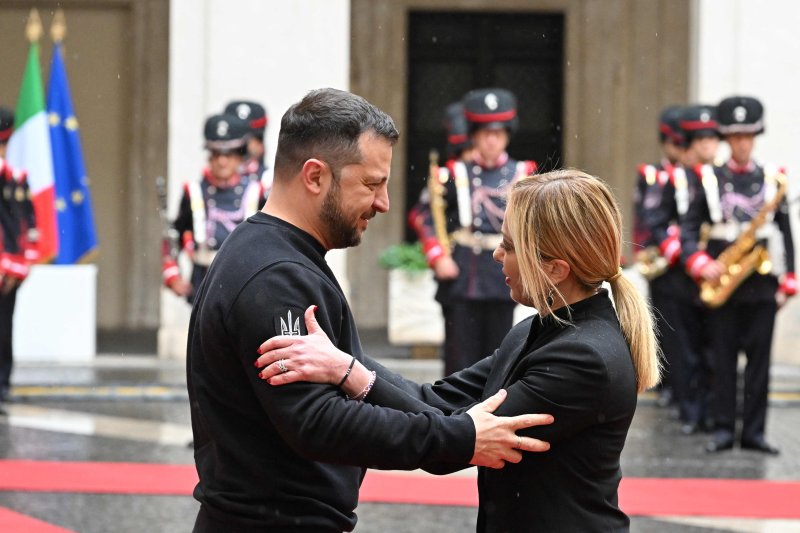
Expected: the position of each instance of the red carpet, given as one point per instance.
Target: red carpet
(638, 496)
(11, 521)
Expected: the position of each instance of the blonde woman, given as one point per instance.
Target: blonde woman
(581, 359)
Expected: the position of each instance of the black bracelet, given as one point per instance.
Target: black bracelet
(347, 374)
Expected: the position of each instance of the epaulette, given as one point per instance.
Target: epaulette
(451, 166)
(649, 173)
(20, 176)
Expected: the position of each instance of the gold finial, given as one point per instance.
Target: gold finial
(58, 29)
(33, 30)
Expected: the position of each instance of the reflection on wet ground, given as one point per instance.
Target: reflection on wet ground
(137, 412)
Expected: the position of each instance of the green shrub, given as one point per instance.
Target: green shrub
(404, 256)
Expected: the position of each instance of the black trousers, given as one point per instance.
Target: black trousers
(207, 522)
(682, 336)
(7, 302)
(748, 327)
(473, 330)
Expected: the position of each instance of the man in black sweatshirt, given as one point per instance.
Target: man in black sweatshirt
(291, 459)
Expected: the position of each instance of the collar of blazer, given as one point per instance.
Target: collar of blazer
(534, 332)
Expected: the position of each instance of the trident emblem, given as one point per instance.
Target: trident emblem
(291, 329)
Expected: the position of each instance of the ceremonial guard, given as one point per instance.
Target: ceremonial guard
(462, 229)
(683, 327)
(213, 206)
(257, 119)
(432, 231)
(745, 267)
(655, 223)
(18, 238)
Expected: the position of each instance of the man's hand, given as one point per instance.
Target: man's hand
(495, 439)
(445, 268)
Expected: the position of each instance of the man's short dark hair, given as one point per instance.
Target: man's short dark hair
(326, 124)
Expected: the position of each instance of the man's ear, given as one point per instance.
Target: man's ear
(315, 174)
(557, 270)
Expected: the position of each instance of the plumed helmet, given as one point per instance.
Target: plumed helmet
(455, 125)
(669, 128)
(491, 108)
(699, 120)
(740, 114)
(226, 133)
(6, 123)
(251, 112)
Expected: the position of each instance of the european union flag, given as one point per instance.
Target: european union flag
(77, 238)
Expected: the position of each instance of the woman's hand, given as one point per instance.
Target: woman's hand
(311, 357)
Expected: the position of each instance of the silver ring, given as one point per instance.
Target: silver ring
(519, 442)
(282, 366)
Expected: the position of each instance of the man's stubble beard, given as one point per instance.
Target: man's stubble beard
(341, 233)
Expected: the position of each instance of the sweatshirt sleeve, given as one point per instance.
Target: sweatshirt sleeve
(316, 420)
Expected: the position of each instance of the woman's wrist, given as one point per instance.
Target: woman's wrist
(357, 381)
(347, 372)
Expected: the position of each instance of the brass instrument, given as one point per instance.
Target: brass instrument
(743, 257)
(650, 263)
(438, 202)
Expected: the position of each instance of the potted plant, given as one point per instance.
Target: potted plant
(415, 317)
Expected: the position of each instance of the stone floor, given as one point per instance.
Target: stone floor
(134, 409)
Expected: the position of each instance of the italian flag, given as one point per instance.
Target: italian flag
(29, 150)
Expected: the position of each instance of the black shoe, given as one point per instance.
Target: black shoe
(719, 443)
(665, 397)
(690, 428)
(760, 445)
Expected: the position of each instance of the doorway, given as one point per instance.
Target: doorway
(450, 53)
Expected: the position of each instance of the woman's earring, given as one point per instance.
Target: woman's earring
(549, 298)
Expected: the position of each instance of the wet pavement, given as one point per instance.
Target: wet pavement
(133, 409)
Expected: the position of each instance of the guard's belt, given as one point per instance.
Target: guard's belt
(477, 240)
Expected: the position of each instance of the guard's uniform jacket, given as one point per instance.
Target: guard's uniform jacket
(477, 307)
(727, 198)
(655, 214)
(18, 250)
(256, 170)
(290, 458)
(18, 223)
(208, 213)
(681, 316)
(475, 197)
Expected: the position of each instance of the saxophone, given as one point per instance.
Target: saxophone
(650, 263)
(438, 202)
(744, 256)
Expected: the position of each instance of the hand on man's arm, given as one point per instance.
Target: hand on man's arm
(496, 440)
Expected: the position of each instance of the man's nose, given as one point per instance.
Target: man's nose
(381, 203)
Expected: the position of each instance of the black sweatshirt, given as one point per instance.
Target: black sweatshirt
(290, 457)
